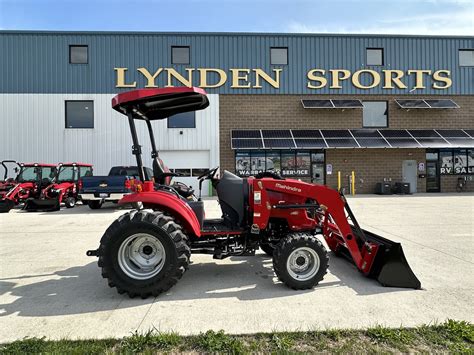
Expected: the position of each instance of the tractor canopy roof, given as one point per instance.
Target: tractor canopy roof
(42, 165)
(158, 104)
(75, 164)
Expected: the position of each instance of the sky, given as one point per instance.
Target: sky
(418, 17)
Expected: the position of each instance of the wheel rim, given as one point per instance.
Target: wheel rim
(141, 256)
(303, 263)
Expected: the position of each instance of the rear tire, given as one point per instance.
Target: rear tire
(144, 253)
(94, 204)
(300, 261)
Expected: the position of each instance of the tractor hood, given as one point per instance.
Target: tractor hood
(158, 104)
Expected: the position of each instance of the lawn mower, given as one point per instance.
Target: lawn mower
(145, 252)
(7, 183)
(64, 188)
(31, 179)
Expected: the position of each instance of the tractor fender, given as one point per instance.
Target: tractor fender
(168, 203)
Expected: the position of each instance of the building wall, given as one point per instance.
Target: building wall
(449, 183)
(33, 129)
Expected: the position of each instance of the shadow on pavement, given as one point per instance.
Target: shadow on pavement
(81, 289)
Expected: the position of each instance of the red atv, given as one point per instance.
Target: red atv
(7, 183)
(145, 252)
(31, 179)
(63, 189)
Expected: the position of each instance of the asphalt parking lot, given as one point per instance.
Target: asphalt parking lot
(49, 287)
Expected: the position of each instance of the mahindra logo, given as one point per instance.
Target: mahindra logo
(286, 187)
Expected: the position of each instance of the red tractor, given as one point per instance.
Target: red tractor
(32, 178)
(64, 188)
(7, 183)
(145, 252)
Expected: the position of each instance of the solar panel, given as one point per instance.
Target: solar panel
(423, 133)
(276, 133)
(452, 133)
(445, 103)
(239, 143)
(347, 103)
(365, 133)
(470, 132)
(306, 133)
(461, 142)
(245, 134)
(317, 104)
(310, 143)
(372, 143)
(341, 143)
(403, 143)
(395, 133)
(279, 143)
(336, 133)
(412, 103)
(433, 142)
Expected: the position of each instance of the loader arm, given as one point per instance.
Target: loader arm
(373, 255)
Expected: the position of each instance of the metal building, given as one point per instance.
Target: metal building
(273, 103)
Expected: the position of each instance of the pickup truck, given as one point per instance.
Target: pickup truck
(95, 190)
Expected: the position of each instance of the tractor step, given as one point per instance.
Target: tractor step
(6, 205)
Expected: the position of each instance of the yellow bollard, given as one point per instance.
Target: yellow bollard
(353, 183)
(338, 181)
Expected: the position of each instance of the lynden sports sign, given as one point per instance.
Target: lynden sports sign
(240, 78)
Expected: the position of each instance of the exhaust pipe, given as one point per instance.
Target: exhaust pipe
(42, 205)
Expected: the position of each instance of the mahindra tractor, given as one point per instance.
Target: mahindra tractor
(32, 178)
(64, 188)
(145, 252)
(7, 183)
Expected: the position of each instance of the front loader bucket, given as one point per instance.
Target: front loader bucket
(43, 205)
(390, 267)
(6, 205)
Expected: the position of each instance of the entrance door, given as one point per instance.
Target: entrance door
(317, 173)
(409, 171)
(432, 176)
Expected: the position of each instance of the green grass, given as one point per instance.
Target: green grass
(448, 337)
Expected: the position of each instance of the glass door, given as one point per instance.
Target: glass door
(432, 176)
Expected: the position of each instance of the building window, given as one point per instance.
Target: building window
(374, 56)
(466, 57)
(279, 56)
(183, 120)
(284, 162)
(375, 114)
(79, 114)
(180, 55)
(456, 161)
(78, 54)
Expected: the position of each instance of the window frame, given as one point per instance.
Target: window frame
(189, 55)
(388, 114)
(367, 56)
(287, 55)
(459, 57)
(66, 114)
(82, 46)
(189, 112)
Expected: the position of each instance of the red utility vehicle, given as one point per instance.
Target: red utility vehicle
(7, 183)
(65, 188)
(31, 179)
(145, 252)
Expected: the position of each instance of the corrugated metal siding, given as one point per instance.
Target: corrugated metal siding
(33, 129)
(39, 63)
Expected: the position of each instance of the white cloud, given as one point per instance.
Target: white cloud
(459, 22)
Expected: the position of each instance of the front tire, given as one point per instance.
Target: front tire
(70, 202)
(144, 253)
(300, 261)
(267, 248)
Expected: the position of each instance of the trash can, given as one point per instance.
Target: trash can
(401, 188)
(383, 188)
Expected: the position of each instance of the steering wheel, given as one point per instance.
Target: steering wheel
(208, 174)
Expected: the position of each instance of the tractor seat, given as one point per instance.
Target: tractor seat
(159, 174)
(183, 189)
